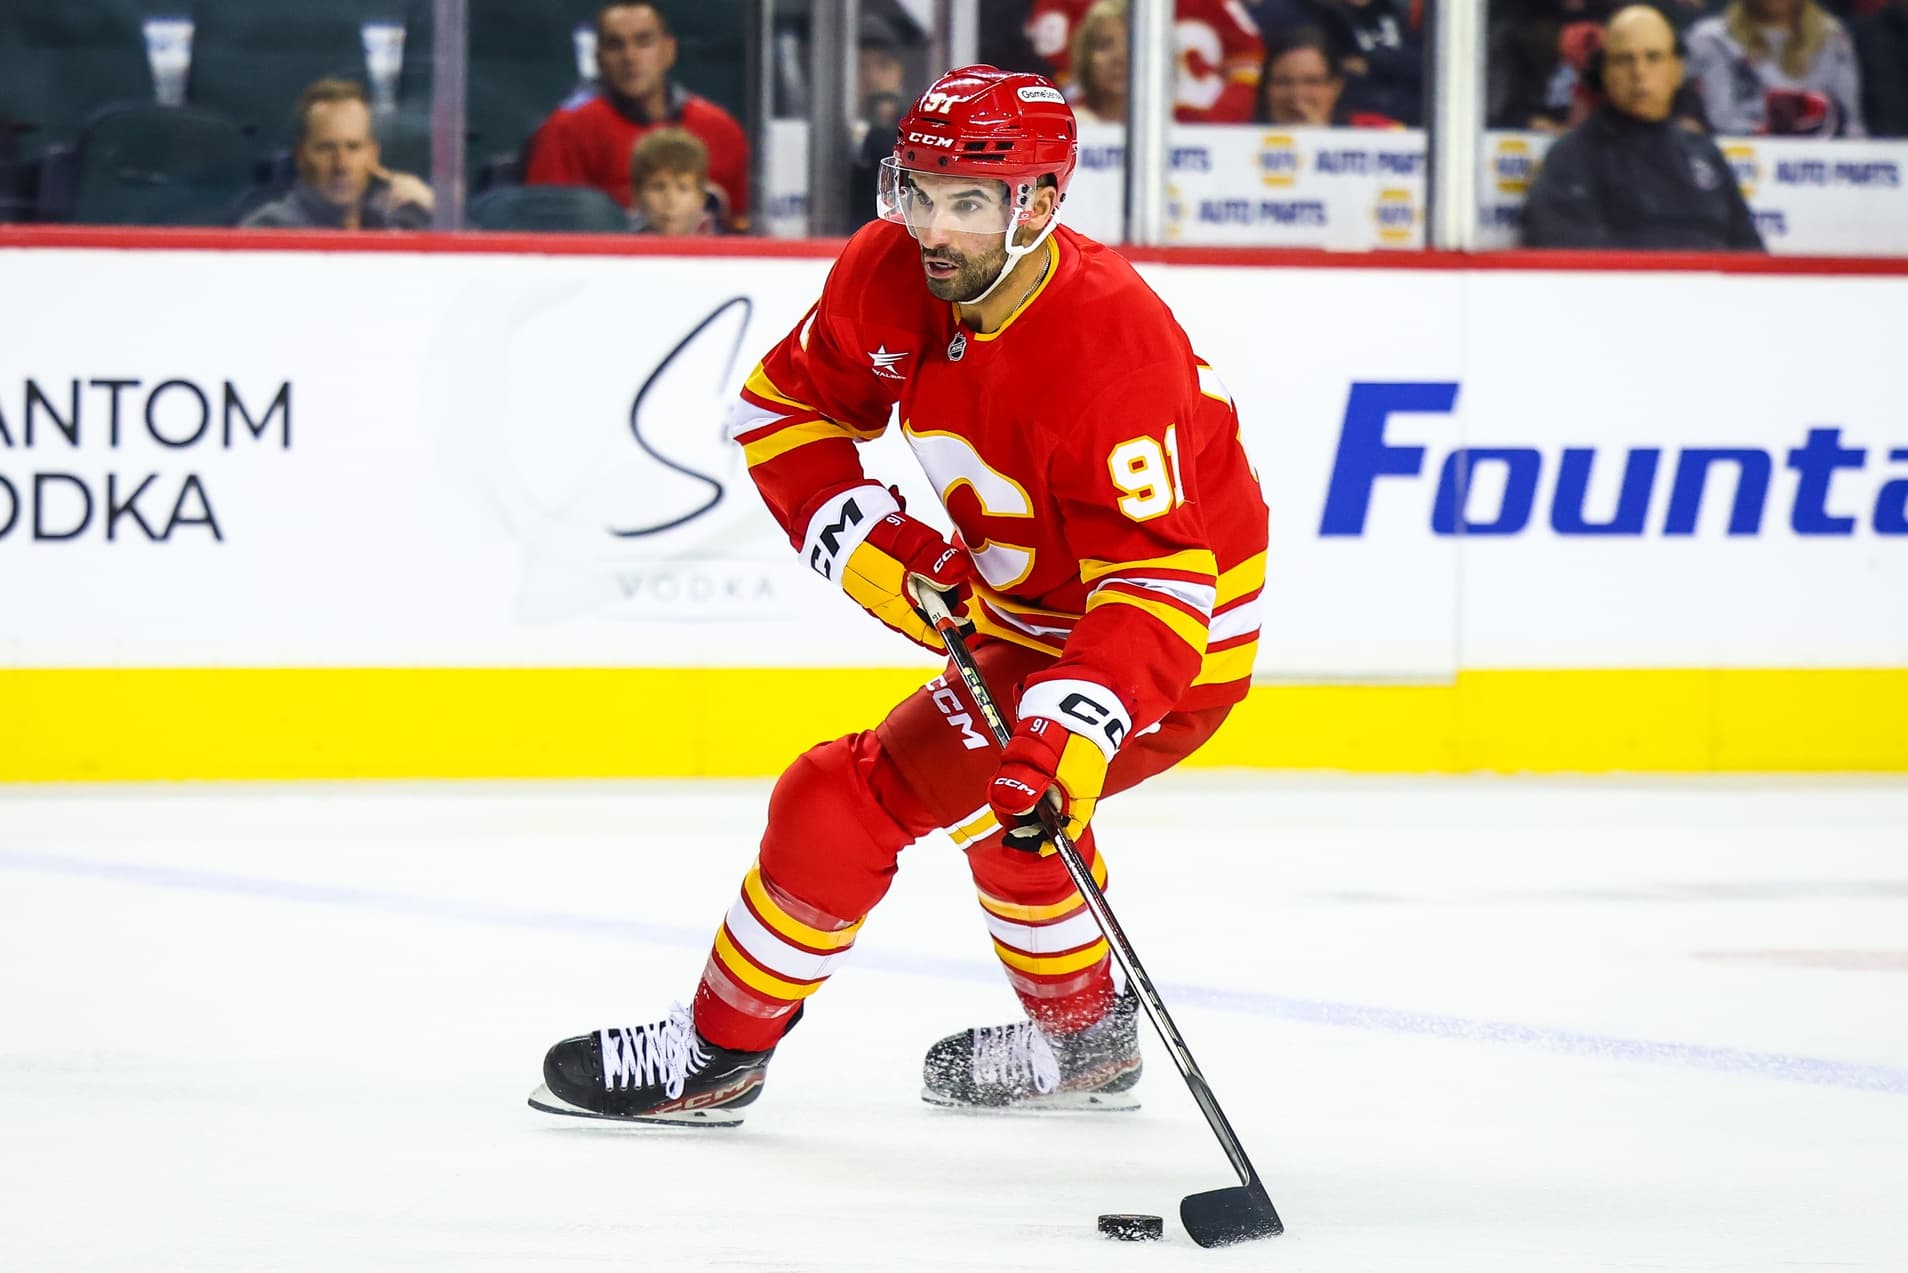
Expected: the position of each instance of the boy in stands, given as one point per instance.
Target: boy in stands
(1109, 554)
(669, 185)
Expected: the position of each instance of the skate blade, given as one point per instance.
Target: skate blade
(549, 1102)
(1057, 1103)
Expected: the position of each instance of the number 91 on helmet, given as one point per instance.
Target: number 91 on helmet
(972, 152)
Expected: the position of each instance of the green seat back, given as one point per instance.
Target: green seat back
(61, 60)
(160, 165)
(571, 208)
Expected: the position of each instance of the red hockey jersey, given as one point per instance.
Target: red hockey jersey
(1090, 461)
(1219, 55)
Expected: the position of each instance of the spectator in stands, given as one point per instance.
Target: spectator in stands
(1303, 84)
(881, 94)
(1098, 57)
(1630, 176)
(1881, 40)
(1219, 55)
(588, 141)
(341, 184)
(1777, 66)
(1380, 53)
(1538, 53)
(669, 185)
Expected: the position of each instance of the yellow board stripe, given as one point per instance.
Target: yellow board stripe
(1184, 626)
(1193, 561)
(1247, 576)
(737, 965)
(302, 723)
(1052, 965)
(1221, 666)
(786, 925)
(786, 439)
(761, 386)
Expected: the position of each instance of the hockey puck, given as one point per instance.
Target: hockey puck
(1133, 1228)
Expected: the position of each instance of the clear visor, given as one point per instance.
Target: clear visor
(943, 201)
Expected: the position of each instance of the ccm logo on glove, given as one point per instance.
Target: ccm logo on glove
(878, 554)
(1067, 735)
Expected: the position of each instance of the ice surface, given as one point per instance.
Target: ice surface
(1474, 1025)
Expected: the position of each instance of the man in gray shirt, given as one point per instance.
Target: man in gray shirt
(341, 184)
(1629, 176)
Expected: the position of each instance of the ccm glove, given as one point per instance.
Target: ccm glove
(1067, 735)
(862, 540)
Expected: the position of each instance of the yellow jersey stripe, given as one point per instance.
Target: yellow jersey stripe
(1193, 561)
(761, 386)
(1183, 625)
(1052, 965)
(783, 924)
(1247, 576)
(782, 441)
(1228, 665)
(976, 829)
(1053, 268)
(986, 623)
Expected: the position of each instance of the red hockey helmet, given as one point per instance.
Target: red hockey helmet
(981, 122)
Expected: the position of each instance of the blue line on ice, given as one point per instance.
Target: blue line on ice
(1788, 1068)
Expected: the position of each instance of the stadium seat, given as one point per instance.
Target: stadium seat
(522, 66)
(61, 60)
(158, 165)
(710, 55)
(547, 208)
(252, 58)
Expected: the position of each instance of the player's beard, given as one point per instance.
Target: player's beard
(972, 274)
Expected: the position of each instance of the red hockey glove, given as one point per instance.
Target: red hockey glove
(1067, 735)
(862, 540)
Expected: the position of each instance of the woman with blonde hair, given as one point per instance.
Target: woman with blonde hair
(1777, 66)
(1098, 61)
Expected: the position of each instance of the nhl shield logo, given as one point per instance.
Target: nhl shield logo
(957, 347)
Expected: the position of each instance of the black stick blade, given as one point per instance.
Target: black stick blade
(1221, 1217)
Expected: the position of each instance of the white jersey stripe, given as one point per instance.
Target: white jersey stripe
(1237, 620)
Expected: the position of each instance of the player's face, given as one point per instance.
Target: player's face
(961, 224)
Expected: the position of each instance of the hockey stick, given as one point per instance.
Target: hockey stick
(1218, 1217)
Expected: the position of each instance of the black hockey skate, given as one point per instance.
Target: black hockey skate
(662, 1073)
(1022, 1067)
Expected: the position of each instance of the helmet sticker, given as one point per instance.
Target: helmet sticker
(1041, 93)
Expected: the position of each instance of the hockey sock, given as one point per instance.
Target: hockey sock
(1047, 941)
(771, 952)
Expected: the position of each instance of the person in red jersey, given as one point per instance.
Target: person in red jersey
(1219, 53)
(589, 139)
(1108, 551)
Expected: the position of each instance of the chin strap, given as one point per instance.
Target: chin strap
(1014, 253)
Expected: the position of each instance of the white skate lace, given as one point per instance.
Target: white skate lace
(1015, 1055)
(662, 1053)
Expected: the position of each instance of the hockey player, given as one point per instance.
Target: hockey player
(1109, 554)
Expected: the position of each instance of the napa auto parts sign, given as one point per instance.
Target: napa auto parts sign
(522, 459)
